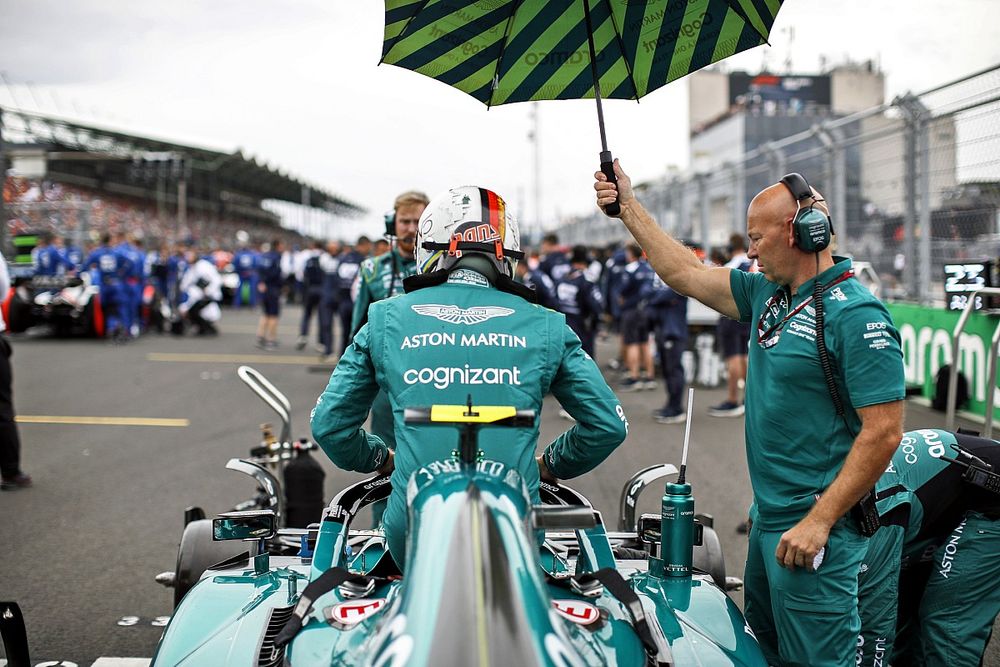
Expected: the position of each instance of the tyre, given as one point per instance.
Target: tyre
(93, 317)
(16, 312)
(198, 552)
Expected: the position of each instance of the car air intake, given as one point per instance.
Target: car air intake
(269, 656)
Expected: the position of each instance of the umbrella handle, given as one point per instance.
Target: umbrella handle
(608, 169)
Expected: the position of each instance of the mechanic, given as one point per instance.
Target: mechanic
(667, 313)
(329, 293)
(580, 300)
(734, 339)
(824, 411)
(553, 262)
(347, 271)
(245, 261)
(538, 280)
(107, 266)
(269, 282)
(48, 259)
(636, 279)
(937, 552)
(382, 277)
(201, 286)
(313, 278)
(465, 328)
(133, 268)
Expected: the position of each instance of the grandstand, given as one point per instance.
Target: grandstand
(80, 180)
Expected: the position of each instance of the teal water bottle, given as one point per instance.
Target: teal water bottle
(677, 526)
(677, 513)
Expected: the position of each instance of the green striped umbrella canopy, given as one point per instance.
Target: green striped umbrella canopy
(502, 51)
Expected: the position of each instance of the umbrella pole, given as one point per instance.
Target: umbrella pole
(607, 161)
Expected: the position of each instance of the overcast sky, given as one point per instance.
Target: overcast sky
(295, 82)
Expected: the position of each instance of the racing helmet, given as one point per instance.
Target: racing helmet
(467, 219)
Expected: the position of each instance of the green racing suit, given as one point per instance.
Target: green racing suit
(441, 344)
(927, 591)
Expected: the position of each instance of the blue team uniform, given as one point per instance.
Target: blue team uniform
(614, 270)
(347, 271)
(74, 255)
(106, 266)
(245, 263)
(555, 265)
(269, 273)
(636, 277)
(176, 266)
(581, 302)
(545, 289)
(667, 312)
(134, 263)
(51, 261)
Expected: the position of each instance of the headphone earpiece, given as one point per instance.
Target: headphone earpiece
(812, 229)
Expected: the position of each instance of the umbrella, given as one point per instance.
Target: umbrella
(503, 51)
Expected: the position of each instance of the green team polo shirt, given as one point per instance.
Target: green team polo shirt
(379, 278)
(796, 444)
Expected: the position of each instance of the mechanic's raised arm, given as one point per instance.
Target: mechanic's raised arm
(675, 264)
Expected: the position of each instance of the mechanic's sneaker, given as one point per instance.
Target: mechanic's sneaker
(321, 349)
(270, 345)
(565, 415)
(668, 416)
(18, 481)
(300, 344)
(261, 343)
(648, 383)
(630, 384)
(727, 409)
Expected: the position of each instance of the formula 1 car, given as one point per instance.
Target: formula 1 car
(71, 305)
(490, 579)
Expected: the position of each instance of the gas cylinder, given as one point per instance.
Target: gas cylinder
(303, 488)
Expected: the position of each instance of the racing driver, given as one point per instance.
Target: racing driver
(465, 328)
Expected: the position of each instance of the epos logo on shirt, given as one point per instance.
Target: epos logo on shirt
(444, 377)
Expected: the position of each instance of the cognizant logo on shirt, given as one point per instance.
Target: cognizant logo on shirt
(444, 377)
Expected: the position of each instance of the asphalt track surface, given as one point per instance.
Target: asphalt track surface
(79, 550)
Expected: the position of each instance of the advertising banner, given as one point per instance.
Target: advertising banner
(926, 338)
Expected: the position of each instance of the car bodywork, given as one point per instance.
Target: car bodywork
(489, 580)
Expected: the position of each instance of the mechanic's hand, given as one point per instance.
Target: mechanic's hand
(607, 192)
(261, 287)
(543, 471)
(389, 465)
(799, 545)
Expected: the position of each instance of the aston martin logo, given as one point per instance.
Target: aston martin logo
(456, 315)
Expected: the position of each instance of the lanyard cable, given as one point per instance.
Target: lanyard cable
(824, 355)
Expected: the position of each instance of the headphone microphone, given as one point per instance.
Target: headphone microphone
(812, 229)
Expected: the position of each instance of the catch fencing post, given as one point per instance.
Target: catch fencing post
(703, 205)
(833, 140)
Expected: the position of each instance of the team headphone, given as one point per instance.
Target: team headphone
(812, 229)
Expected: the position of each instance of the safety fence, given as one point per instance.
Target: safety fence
(913, 185)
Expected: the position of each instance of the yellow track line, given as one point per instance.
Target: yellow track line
(100, 421)
(287, 359)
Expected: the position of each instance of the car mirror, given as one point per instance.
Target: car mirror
(251, 525)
